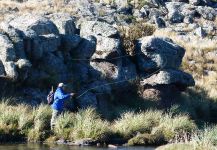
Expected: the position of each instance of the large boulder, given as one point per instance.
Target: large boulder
(195, 2)
(39, 24)
(208, 13)
(10, 70)
(17, 38)
(23, 63)
(170, 76)
(128, 70)
(80, 72)
(158, 52)
(7, 51)
(85, 49)
(177, 11)
(37, 77)
(70, 42)
(97, 28)
(53, 64)
(48, 43)
(38, 46)
(160, 22)
(107, 48)
(2, 69)
(106, 70)
(174, 12)
(64, 22)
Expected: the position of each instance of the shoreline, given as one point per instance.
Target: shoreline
(24, 124)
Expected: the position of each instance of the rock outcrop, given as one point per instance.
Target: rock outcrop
(41, 50)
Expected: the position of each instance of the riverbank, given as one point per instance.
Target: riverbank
(87, 127)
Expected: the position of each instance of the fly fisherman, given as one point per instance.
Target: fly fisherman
(60, 96)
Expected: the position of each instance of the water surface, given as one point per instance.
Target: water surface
(62, 147)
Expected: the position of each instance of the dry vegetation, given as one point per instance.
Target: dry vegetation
(131, 33)
(32, 7)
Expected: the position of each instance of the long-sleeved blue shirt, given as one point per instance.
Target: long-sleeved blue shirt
(59, 97)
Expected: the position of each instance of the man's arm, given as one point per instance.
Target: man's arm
(62, 95)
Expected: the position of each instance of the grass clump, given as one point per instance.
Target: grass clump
(64, 125)
(131, 123)
(200, 140)
(175, 126)
(41, 127)
(88, 124)
(205, 138)
(11, 127)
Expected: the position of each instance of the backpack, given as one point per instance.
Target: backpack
(50, 97)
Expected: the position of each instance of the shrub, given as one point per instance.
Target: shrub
(130, 34)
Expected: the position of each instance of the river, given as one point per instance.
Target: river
(62, 147)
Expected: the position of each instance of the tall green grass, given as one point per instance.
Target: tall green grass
(175, 126)
(200, 140)
(88, 124)
(130, 123)
(152, 126)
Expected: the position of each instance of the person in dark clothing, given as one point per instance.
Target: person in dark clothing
(60, 96)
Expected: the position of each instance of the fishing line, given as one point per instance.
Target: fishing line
(118, 57)
(111, 83)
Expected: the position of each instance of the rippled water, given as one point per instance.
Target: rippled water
(61, 147)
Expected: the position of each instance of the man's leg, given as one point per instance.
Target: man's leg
(55, 114)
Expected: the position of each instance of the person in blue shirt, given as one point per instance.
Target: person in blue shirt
(60, 96)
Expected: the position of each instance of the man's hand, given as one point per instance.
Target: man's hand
(72, 94)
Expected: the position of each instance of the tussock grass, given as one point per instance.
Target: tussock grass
(151, 127)
(41, 123)
(64, 125)
(88, 124)
(174, 126)
(200, 140)
(205, 138)
(131, 123)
